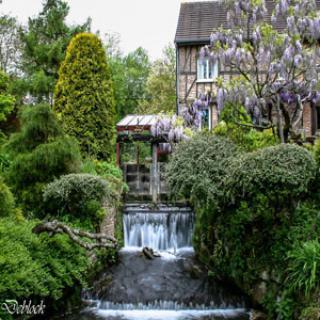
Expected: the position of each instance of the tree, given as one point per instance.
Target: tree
(84, 96)
(7, 200)
(276, 69)
(44, 44)
(6, 99)
(161, 85)
(39, 153)
(129, 74)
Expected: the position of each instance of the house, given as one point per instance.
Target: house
(195, 76)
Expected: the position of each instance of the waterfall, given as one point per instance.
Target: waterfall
(161, 289)
(165, 231)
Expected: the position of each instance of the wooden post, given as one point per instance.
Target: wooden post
(154, 178)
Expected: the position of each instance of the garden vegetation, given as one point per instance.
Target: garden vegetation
(257, 219)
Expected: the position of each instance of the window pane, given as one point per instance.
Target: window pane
(207, 70)
(214, 71)
(200, 69)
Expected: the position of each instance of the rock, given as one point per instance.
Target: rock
(196, 272)
(259, 291)
(148, 253)
(257, 315)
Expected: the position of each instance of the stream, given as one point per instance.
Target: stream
(173, 286)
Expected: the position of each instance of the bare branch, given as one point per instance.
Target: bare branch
(101, 240)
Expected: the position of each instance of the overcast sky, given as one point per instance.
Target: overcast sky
(150, 24)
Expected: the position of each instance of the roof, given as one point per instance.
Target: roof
(197, 20)
(136, 121)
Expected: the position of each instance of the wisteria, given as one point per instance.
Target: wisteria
(178, 128)
(169, 128)
(275, 68)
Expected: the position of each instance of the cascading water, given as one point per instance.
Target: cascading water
(160, 288)
(160, 231)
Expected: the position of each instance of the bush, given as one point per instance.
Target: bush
(304, 267)
(39, 154)
(39, 125)
(79, 196)
(236, 125)
(84, 96)
(104, 169)
(38, 267)
(198, 166)
(253, 210)
(6, 200)
(109, 172)
(282, 171)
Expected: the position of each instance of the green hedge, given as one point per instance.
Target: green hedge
(257, 219)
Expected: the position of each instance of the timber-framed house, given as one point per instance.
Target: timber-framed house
(195, 76)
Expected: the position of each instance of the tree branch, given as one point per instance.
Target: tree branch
(254, 126)
(101, 240)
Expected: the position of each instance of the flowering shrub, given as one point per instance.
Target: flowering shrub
(286, 57)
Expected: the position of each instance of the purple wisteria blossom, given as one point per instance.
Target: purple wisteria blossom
(277, 71)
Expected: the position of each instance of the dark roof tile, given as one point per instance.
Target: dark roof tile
(197, 20)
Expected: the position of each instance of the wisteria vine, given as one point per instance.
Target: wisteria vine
(179, 128)
(273, 67)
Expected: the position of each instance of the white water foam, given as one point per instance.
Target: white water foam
(159, 231)
(169, 254)
(170, 314)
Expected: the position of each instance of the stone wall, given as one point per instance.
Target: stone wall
(107, 225)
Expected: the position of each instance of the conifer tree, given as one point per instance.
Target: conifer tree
(39, 153)
(44, 43)
(84, 97)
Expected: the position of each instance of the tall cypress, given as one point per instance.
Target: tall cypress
(84, 97)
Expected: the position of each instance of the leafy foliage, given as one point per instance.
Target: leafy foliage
(253, 210)
(6, 100)
(6, 200)
(197, 166)
(129, 75)
(235, 123)
(78, 196)
(84, 96)
(39, 125)
(44, 45)
(37, 267)
(283, 170)
(161, 85)
(39, 153)
(304, 267)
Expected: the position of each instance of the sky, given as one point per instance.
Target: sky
(150, 24)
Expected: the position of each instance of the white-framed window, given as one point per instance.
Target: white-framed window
(206, 70)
